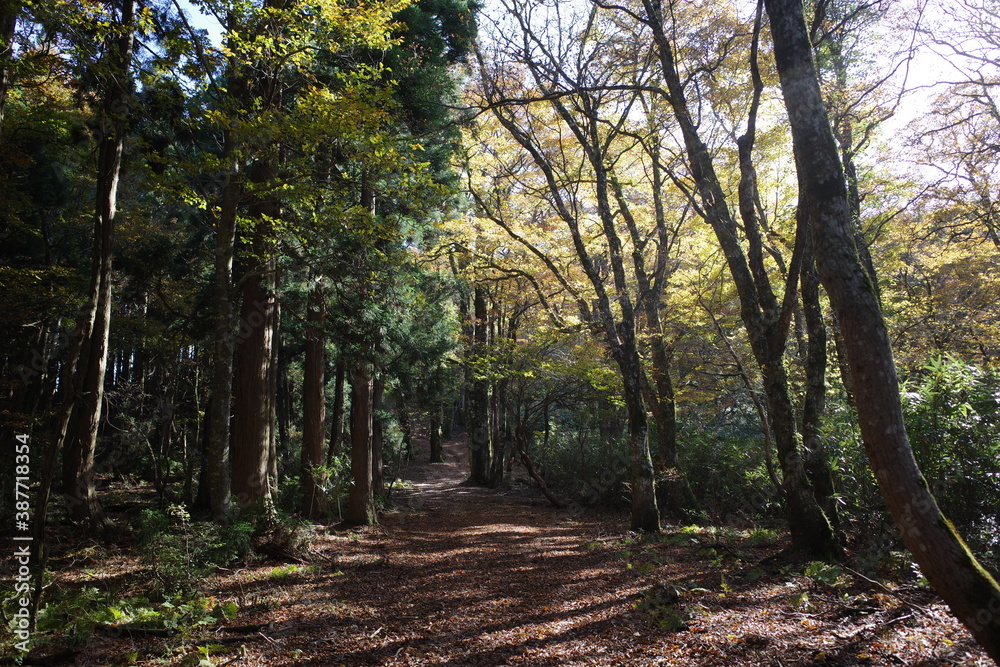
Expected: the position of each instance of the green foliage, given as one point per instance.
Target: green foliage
(290, 571)
(662, 603)
(580, 461)
(724, 459)
(953, 420)
(762, 537)
(274, 531)
(75, 614)
(336, 475)
(828, 574)
(180, 553)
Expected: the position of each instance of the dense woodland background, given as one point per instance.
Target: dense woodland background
(244, 270)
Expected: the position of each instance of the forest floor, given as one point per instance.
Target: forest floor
(464, 576)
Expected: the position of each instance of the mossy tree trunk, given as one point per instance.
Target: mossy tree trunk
(969, 590)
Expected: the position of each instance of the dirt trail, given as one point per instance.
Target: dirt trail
(458, 575)
(463, 576)
(472, 576)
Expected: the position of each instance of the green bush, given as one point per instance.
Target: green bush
(579, 462)
(723, 456)
(953, 420)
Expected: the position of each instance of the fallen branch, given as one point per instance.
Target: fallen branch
(911, 605)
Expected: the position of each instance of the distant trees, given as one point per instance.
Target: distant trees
(594, 100)
(574, 131)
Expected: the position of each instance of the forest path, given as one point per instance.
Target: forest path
(465, 576)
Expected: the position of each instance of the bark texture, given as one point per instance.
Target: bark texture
(478, 415)
(314, 408)
(81, 444)
(361, 500)
(252, 426)
(337, 421)
(971, 593)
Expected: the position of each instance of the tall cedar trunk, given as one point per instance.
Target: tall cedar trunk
(361, 501)
(314, 407)
(337, 422)
(969, 590)
(478, 406)
(73, 376)
(283, 404)
(436, 419)
(9, 9)
(217, 460)
(252, 437)
(78, 463)
(765, 319)
(814, 402)
(202, 501)
(271, 398)
(378, 434)
(219, 472)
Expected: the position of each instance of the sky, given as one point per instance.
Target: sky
(202, 21)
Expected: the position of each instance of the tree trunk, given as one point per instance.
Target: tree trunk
(672, 483)
(811, 530)
(437, 416)
(478, 417)
(361, 501)
(520, 442)
(406, 426)
(314, 407)
(968, 589)
(337, 422)
(253, 415)
(202, 500)
(500, 437)
(766, 319)
(218, 474)
(78, 463)
(283, 407)
(378, 437)
(814, 404)
(272, 398)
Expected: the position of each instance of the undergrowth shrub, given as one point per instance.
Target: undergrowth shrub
(723, 456)
(180, 553)
(953, 420)
(583, 462)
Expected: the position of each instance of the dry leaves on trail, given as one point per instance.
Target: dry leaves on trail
(457, 575)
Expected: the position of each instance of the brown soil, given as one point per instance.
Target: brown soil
(457, 575)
